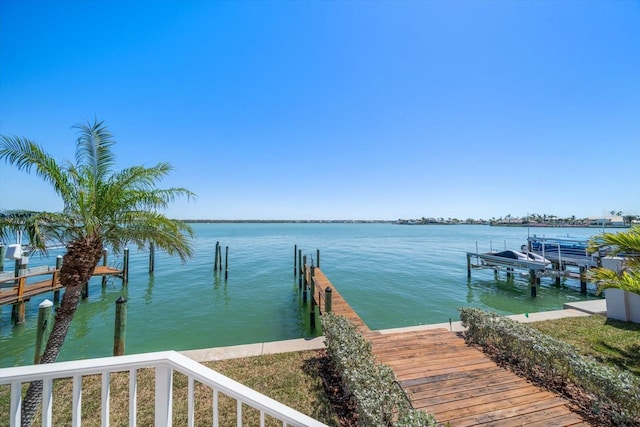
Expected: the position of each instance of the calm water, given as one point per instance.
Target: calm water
(392, 275)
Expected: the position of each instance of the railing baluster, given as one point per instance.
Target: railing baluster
(190, 399)
(47, 402)
(215, 408)
(164, 396)
(16, 403)
(76, 410)
(164, 364)
(133, 397)
(106, 391)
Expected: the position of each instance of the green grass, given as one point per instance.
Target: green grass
(290, 378)
(294, 378)
(609, 341)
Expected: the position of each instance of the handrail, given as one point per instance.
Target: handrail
(165, 363)
(39, 272)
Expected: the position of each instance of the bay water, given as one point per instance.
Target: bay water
(392, 275)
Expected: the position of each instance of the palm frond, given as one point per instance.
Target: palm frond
(93, 150)
(628, 280)
(142, 227)
(26, 155)
(40, 228)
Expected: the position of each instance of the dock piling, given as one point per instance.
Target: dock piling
(105, 256)
(125, 272)
(44, 313)
(317, 257)
(56, 293)
(215, 258)
(226, 263)
(312, 306)
(533, 280)
(295, 260)
(3, 252)
(304, 279)
(300, 271)
(327, 299)
(18, 309)
(120, 327)
(583, 279)
(152, 257)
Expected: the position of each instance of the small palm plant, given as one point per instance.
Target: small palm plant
(103, 206)
(627, 244)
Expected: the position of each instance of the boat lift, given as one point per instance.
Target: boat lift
(554, 263)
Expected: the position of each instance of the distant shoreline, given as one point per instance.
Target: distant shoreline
(374, 221)
(289, 221)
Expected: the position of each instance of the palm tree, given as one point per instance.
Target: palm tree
(102, 207)
(627, 243)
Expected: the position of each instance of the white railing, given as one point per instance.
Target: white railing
(165, 364)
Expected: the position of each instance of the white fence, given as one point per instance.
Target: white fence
(164, 364)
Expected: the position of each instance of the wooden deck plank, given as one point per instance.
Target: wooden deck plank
(466, 391)
(457, 383)
(511, 416)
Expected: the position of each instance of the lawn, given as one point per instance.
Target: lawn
(294, 379)
(609, 341)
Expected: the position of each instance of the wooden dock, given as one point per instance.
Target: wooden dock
(22, 290)
(456, 383)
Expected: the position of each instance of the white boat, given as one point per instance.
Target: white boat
(526, 259)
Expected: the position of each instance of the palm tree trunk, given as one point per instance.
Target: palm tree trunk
(78, 265)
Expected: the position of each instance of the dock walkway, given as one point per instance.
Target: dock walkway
(457, 383)
(22, 290)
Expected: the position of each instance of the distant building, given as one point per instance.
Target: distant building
(611, 221)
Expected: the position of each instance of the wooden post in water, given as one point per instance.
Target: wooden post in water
(105, 256)
(44, 313)
(583, 279)
(220, 258)
(312, 306)
(152, 257)
(317, 257)
(327, 299)
(215, 261)
(56, 293)
(125, 271)
(295, 260)
(304, 278)
(85, 290)
(120, 327)
(533, 282)
(226, 263)
(468, 266)
(299, 268)
(3, 252)
(18, 308)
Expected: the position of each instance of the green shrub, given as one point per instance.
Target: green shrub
(379, 400)
(553, 361)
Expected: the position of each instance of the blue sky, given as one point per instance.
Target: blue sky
(338, 109)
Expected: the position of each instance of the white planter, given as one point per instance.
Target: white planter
(622, 305)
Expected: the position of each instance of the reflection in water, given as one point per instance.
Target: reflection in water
(148, 295)
(220, 283)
